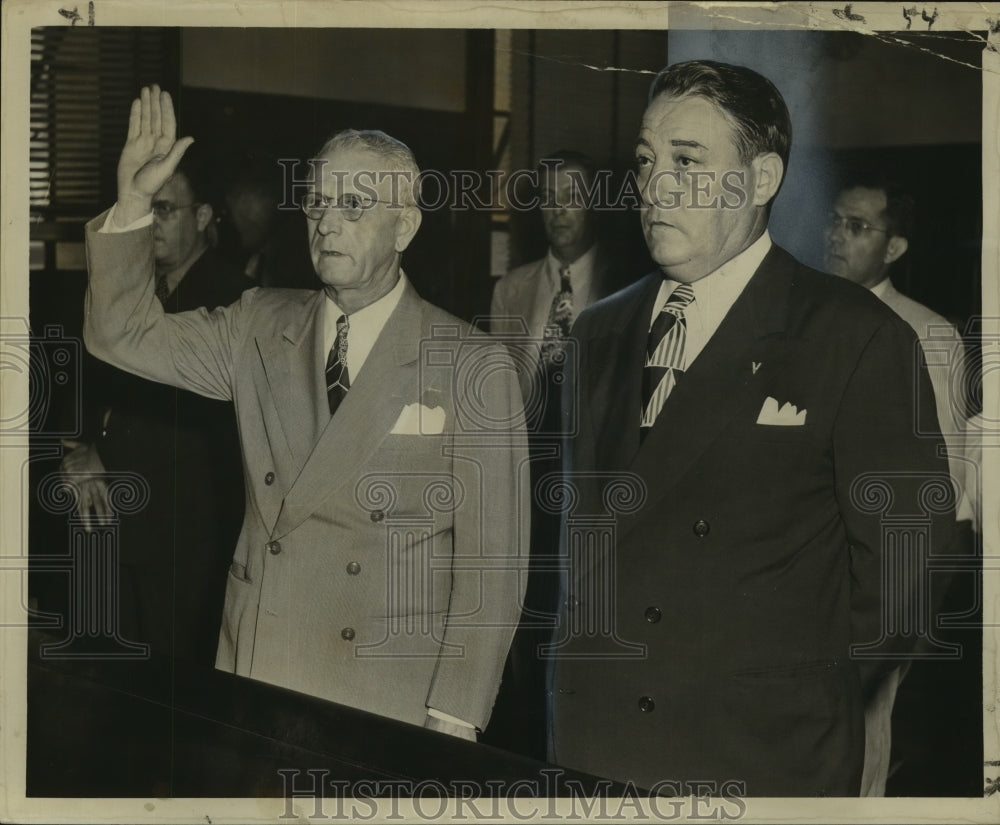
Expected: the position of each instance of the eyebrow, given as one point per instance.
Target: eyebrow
(693, 144)
(690, 144)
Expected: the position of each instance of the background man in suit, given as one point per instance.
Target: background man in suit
(544, 297)
(574, 270)
(868, 229)
(377, 566)
(745, 398)
(175, 553)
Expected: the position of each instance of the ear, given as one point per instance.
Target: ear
(203, 216)
(895, 248)
(407, 225)
(768, 172)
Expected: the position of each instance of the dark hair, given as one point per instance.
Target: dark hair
(760, 116)
(900, 205)
(199, 170)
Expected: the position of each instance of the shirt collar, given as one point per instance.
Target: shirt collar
(881, 288)
(579, 269)
(723, 286)
(365, 324)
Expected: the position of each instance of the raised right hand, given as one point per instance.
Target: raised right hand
(150, 155)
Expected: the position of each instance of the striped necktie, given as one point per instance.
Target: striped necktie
(338, 381)
(664, 354)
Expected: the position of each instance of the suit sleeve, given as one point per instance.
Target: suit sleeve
(490, 541)
(124, 323)
(895, 497)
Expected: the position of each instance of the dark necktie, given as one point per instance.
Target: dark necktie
(162, 290)
(664, 354)
(560, 319)
(338, 381)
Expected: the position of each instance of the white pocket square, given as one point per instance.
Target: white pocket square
(417, 419)
(787, 416)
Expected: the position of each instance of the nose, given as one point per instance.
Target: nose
(331, 221)
(648, 186)
(834, 228)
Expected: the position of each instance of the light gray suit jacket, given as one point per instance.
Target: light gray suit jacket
(378, 564)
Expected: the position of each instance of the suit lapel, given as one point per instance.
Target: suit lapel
(615, 386)
(364, 417)
(721, 381)
(293, 363)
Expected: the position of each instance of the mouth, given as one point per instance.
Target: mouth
(659, 225)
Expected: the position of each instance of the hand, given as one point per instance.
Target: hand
(150, 155)
(83, 466)
(443, 726)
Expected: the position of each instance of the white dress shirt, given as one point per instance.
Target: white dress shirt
(363, 326)
(581, 278)
(714, 295)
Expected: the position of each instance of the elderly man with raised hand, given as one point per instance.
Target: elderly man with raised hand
(378, 562)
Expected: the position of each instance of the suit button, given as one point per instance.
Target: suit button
(347, 634)
(273, 547)
(353, 568)
(653, 615)
(377, 515)
(700, 528)
(269, 479)
(646, 704)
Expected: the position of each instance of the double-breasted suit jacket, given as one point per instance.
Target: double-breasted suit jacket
(377, 563)
(748, 559)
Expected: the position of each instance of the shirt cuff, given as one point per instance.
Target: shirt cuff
(446, 718)
(110, 227)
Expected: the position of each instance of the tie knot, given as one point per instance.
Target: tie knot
(682, 295)
(342, 325)
(564, 282)
(678, 301)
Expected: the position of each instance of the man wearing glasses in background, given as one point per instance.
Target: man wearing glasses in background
(377, 566)
(867, 231)
(174, 553)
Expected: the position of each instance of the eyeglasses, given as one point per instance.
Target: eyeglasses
(164, 209)
(853, 226)
(351, 205)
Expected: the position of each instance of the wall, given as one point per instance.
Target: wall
(422, 68)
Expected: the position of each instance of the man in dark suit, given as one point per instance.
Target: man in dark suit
(759, 416)
(175, 552)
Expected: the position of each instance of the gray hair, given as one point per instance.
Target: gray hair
(396, 155)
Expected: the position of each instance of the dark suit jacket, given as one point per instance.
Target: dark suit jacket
(176, 551)
(748, 559)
